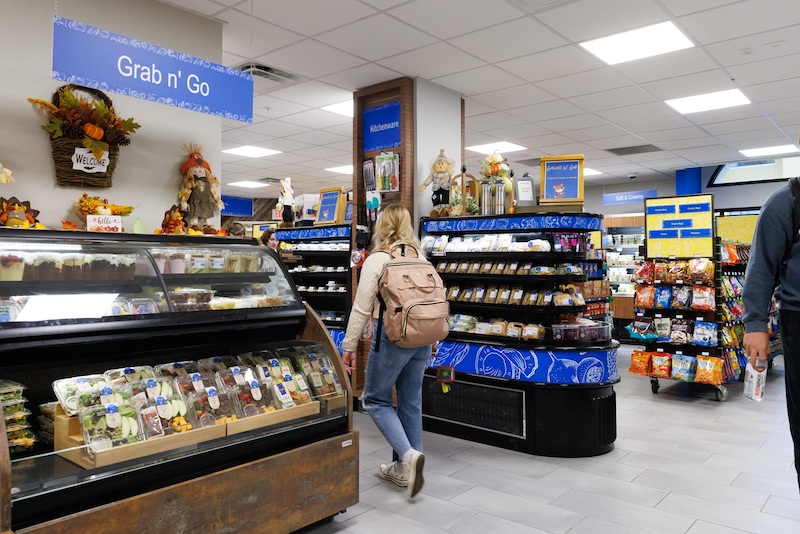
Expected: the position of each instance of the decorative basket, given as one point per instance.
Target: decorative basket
(466, 184)
(63, 149)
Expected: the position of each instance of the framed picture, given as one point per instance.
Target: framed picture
(561, 179)
(331, 206)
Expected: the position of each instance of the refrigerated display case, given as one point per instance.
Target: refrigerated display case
(79, 304)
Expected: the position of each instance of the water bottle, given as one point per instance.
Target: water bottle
(755, 379)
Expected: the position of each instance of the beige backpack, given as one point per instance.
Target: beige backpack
(414, 307)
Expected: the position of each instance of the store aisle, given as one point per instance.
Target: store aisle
(683, 463)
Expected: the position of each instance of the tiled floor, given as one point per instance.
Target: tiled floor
(683, 463)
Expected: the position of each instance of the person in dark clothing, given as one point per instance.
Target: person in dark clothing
(774, 268)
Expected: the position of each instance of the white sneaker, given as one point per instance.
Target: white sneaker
(393, 472)
(413, 462)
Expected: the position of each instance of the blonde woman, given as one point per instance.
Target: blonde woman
(391, 366)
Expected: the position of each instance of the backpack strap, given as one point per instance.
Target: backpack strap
(794, 183)
(382, 307)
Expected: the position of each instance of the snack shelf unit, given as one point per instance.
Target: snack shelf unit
(551, 395)
(65, 326)
(319, 264)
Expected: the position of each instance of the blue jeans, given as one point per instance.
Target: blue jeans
(393, 366)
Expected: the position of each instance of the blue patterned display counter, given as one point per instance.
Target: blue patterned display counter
(313, 233)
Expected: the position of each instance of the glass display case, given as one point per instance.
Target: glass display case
(133, 364)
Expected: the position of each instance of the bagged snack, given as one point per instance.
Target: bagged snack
(703, 298)
(663, 297)
(705, 334)
(533, 331)
(644, 272)
(479, 294)
(681, 297)
(709, 370)
(514, 330)
(640, 363)
(683, 367)
(475, 267)
(663, 327)
(453, 293)
(642, 328)
(645, 296)
(660, 270)
(503, 294)
(681, 331)
(677, 271)
(661, 365)
(525, 268)
(511, 267)
(531, 298)
(701, 271)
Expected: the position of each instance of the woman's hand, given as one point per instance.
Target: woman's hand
(349, 360)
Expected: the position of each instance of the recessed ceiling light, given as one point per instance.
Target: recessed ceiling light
(342, 108)
(769, 151)
(590, 172)
(500, 146)
(637, 44)
(251, 151)
(344, 169)
(708, 101)
(248, 184)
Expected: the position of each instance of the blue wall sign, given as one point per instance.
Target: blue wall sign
(93, 57)
(237, 206)
(382, 127)
(562, 179)
(628, 197)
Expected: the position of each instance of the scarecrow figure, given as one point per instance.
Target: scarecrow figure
(198, 196)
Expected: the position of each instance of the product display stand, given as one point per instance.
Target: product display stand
(530, 375)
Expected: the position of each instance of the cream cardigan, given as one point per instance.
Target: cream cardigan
(366, 300)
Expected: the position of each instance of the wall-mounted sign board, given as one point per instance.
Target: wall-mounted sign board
(561, 179)
(331, 206)
(679, 227)
(382, 126)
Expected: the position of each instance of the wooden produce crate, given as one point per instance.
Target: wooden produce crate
(273, 418)
(69, 443)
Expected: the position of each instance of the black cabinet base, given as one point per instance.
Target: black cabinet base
(542, 419)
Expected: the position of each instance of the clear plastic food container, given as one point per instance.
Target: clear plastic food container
(173, 415)
(130, 374)
(22, 441)
(10, 389)
(48, 409)
(45, 424)
(110, 426)
(17, 418)
(213, 407)
(255, 398)
(119, 394)
(67, 390)
(176, 369)
(217, 363)
(195, 382)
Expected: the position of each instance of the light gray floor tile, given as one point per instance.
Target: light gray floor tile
(508, 461)
(377, 521)
(481, 523)
(786, 489)
(695, 487)
(592, 525)
(729, 515)
(704, 527)
(520, 510)
(616, 489)
(423, 508)
(675, 463)
(607, 465)
(782, 507)
(753, 467)
(655, 448)
(519, 485)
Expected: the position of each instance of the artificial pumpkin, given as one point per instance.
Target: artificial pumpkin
(93, 131)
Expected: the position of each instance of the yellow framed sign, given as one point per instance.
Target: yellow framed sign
(679, 227)
(561, 179)
(332, 203)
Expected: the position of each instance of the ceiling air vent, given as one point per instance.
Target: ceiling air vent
(630, 150)
(267, 78)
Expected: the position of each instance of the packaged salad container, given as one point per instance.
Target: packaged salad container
(217, 363)
(21, 440)
(10, 389)
(67, 390)
(119, 394)
(195, 382)
(173, 416)
(110, 426)
(213, 407)
(130, 374)
(175, 369)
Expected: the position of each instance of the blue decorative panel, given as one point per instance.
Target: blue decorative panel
(575, 221)
(541, 366)
(326, 232)
(338, 337)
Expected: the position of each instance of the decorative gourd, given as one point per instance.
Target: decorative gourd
(95, 132)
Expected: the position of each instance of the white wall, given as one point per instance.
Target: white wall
(147, 174)
(437, 126)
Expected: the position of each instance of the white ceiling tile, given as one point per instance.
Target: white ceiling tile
(472, 108)
(206, 7)
(620, 141)
(518, 131)
(741, 18)
(567, 124)
(768, 70)
(317, 17)
(757, 47)
(746, 139)
(343, 146)
(787, 119)
(320, 152)
(742, 125)
(596, 132)
(448, 18)
(492, 121)
(242, 137)
(703, 118)
(376, 37)
(418, 62)
(688, 142)
(344, 130)
(553, 63)
(774, 90)
(313, 94)
(269, 106)
(322, 137)
(548, 110)
(589, 19)
(316, 118)
(690, 85)
(679, 63)
(384, 4)
(264, 37)
(514, 97)
(550, 139)
(361, 76)
(275, 128)
(684, 7)
(675, 123)
(709, 154)
(569, 148)
(661, 136)
(480, 80)
(584, 82)
(613, 98)
(310, 58)
(638, 112)
(519, 37)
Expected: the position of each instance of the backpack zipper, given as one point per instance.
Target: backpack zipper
(408, 310)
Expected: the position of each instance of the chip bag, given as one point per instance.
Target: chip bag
(661, 365)
(640, 363)
(645, 296)
(683, 367)
(709, 370)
